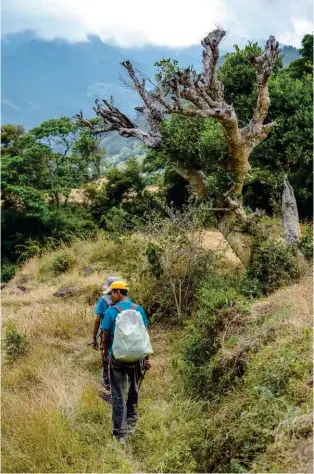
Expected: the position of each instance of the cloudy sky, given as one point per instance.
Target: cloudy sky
(160, 22)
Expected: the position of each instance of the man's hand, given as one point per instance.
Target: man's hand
(147, 364)
(94, 344)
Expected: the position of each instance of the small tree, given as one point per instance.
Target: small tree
(88, 146)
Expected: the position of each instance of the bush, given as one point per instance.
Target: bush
(264, 404)
(251, 288)
(307, 243)
(63, 262)
(220, 313)
(176, 257)
(15, 343)
(8, 271)
(274, 264)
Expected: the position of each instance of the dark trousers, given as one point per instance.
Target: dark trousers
(124, 412)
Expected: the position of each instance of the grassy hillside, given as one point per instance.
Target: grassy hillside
(53, 419)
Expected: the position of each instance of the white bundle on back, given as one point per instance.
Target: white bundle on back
(131, 340)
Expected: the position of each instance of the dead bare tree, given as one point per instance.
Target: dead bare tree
(190, 94)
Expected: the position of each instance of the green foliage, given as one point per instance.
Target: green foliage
(307, 243)
(10, 134)
(153, 253)
(39, 170)
(245, 420)
(63, 262)
(253, 370)
(118, 221)
(274, 264)
(288, 149)
(251, 287)
(117, 204)
(220, 310)
(165, 69)
(188, 142)
(304, 65)
(15, 344)
(239, 79)
(287, 152)
(88, 146)
(8, 271)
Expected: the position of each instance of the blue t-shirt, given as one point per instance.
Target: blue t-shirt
(101, 306)
(109, 318)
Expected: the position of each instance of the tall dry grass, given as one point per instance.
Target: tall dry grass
(53, 419)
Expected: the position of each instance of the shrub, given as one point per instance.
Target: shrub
(63, 262)
(307, 243)
(15, 344)
(274, 264)
(251, 288)
(8, 271)
(263, 405)
(176, 257)
(220, 313)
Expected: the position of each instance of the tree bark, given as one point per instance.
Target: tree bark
(197, 180)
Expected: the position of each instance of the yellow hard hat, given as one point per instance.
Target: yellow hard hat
(117, 285)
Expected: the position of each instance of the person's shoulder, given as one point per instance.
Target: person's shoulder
(100, 306)
(110, 310)
(140, 309)
(101, 300)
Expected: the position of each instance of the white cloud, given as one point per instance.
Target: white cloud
(159, 22)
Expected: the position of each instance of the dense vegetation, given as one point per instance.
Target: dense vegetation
(42, 166)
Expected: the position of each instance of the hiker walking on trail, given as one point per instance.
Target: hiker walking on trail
(102, 305)
(126, 346)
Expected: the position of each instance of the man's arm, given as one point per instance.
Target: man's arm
(95, 332)
(105, 344)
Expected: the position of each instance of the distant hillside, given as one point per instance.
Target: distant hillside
(46, 79)
(289, 54)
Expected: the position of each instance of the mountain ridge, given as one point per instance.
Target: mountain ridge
(44, 79)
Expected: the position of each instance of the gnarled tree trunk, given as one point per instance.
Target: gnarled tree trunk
(201, 95)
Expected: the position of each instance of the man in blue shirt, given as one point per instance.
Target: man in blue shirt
(102, 305)
(124, 415)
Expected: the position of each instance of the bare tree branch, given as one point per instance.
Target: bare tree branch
(210, 59)
(264, 65)
(184, 92)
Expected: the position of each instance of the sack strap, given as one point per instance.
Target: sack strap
(134, 306)
(107, 300)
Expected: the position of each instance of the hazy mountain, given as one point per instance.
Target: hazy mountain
(45, 79)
